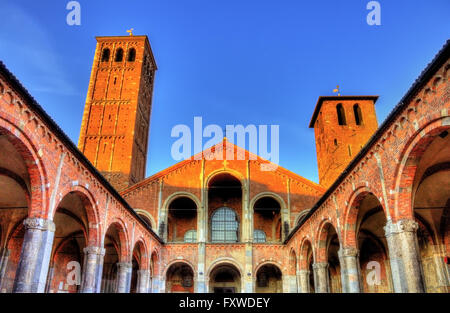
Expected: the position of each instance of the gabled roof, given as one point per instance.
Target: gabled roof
(224, 144)
(336, 98)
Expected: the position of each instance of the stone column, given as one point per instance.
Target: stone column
(143, 281)
(404, 255)
(201, 284)
(4, 257)
(32, 269)
(304, 281)
(321, 277)
(350, 273)
(92, 269)
(123, 277)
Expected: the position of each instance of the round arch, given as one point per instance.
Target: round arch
(407, 167)
(350, 216)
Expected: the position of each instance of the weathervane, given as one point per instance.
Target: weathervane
(337, 90)
(130, 31)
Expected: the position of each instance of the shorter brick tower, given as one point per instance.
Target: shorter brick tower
(116, 120)
(342, 126)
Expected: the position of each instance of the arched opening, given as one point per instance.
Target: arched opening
(269, 279)
(154, 272)
(146, 220)
(71, 230)
(113, 247)
(431, 203)
(15, 195)
(341, 114)
(372, 244)
(136, 265)
(180, 278)
(131, 55)
(182, 218)
(329, 245)
(293, 271)
(119, 55)
(224, 208)
(358, 114)
(105, 55)
(225, 278)
(267, 220)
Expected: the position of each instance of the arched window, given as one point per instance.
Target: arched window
(105, 55)
(224, 226)
(190, 236)
(341, 114)
(119, 55)
(358, 114)
(259, 236)
(131, 55)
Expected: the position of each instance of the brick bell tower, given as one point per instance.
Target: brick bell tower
(116, 120)
(342, 126)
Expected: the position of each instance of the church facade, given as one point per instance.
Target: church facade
(85, 218)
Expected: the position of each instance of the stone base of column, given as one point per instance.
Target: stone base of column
(35, 256)
(404, 256)
(124, 277)
(321, 277)
(350, 273)
(143, 281)
(304, 285)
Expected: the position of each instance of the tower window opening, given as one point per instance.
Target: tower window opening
(119, 55)
(105, 55)
(341, 114)
(349, 150)
(131, 55)
(358, 114)
(335, 142)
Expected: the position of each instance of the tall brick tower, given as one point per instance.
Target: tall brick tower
(116, 120)
(342, 126)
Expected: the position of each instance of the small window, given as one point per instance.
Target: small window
(341, 114)
(259, 236)
(131, 55)
(349, 150)
(190, 236)
(358, 114)
(105, 55)
(335, 142)
(119, 55)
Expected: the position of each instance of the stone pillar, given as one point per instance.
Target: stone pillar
(350, 273)
(123, 277)
(51, 273)
(201, 283)
(304, 281)
(321, 277)
(248, 269)
(92, 269)
(404, 255)
(32, 269)
(143, 281)
(4, 257)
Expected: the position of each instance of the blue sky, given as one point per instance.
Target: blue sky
(231, 62)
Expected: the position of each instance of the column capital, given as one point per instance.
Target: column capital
(404, 225)
(321, 265)
(143, 272)
(124, 265)
(94, 250)
(39, 224)
(348, 252)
